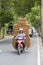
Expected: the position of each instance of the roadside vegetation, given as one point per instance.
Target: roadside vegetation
(10, 10)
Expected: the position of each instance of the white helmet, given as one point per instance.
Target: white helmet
(21, 29)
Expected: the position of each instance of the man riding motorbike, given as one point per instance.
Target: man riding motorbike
(20, 38)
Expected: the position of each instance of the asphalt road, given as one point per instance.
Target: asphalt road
(9, 56)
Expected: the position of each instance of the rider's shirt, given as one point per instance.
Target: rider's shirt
(20, 37)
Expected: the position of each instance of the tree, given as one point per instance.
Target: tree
(42, 20)
(22, 7)
(10, 10)
(34, 17)
(6, 13)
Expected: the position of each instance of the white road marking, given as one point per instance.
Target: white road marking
(1, 51)
(38, 51)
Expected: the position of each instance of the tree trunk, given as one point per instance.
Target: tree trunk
(39, 31)
(3, 32)
(42, 20)
(0, 29)
(0, 33)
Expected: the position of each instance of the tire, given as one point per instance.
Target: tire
(21, 51)
(31, 35)
(18, 50)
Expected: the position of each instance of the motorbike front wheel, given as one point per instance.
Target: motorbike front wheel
(19, 51)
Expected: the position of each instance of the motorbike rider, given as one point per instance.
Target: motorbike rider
(21, 35)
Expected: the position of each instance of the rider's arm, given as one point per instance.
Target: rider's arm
(17, 36)
(24, 36)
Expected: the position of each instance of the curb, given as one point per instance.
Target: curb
(6, 37)
(41, 52)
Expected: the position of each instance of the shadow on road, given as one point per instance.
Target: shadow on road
(16, 52)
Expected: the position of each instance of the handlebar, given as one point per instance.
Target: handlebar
(20, 39)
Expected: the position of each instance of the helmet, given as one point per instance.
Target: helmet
(21, 29)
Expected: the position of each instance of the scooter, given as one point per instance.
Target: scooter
(20, 46)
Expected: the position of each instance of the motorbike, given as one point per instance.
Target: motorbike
(20, 46)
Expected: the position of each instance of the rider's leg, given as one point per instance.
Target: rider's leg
(23, 45)
(16, 45)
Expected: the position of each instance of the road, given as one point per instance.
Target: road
(9, 56)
